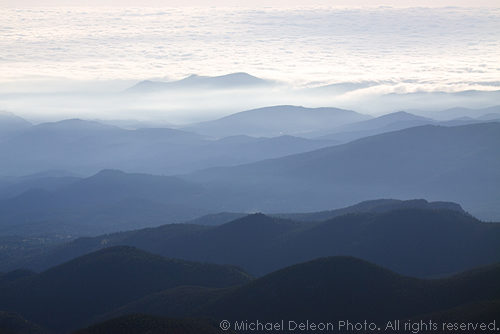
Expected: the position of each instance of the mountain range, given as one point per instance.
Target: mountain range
(108, 201)
(85, 147)
(117, 283)
(277, 121)
(460, 164)
(196, 82)
(72, 293)
(390, 122)
(11, 124)
(415, 238)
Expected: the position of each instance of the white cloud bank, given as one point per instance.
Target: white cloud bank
(104, 50)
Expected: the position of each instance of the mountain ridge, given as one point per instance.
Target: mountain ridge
(193, 81)
(390, 236)
(277, 120)
(71, 293)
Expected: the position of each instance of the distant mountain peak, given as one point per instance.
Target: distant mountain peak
(105, 172)
(10, 123)
(402, 115)
(257, 218)
(273, 121)
(195, 81)
(75, 124)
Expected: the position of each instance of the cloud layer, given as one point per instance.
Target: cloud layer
(446, 46)
(105, 50)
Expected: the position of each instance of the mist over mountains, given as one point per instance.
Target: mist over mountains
(431, 162)
(196, 82)
(458, 163)
(10, 124)
(192, 170)
(201, 98)
(86, 147)
(205, 220)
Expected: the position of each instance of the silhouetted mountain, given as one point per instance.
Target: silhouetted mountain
(386, 120)
(460, 112)
(85, 147)
(337, 288)
(431, 104)
(425, 241)
(483, 311)
(374, 206)
(277, 121)
(134, 124)
(122, 280)
(141, 324)
(11, 124)
(347, 288)
(491, 116)
(16, 186)
(108, 201)
(15, 275)
(390, 122)
(17, 251)
(12, 323)
(217, 218)
(460, 164)
(175, 302)
(71, 294)
(80, 146)
(228, 81)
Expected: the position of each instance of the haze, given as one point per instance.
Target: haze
(71, 62)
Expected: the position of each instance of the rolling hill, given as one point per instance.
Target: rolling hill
(86, 147)
(338, 289)
(136, 290)
(11, 124)
(373, 206)
(413, 238)
(68, 295)
(389, 122)
(459, 164)
(108, 201)
(276, 121)
(12, 323)
(141, 323)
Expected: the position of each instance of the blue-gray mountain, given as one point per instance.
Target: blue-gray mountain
(11, 124)
(411, 237)
(124, 280)
(196, 82)
(69, 295)
(460, 164)
(278, 121)
(86, 147)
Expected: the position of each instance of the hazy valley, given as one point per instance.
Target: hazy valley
(226, 167)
